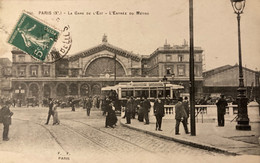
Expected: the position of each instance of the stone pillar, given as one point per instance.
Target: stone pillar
(41, 91)
(78, 89)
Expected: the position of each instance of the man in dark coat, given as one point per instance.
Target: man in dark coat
(180, 116)
(128, 110)
(135, 103)
(88, 105)
(50, 113)
(221, 106)
(159, 113)
(146, 109)
(140, 110)
(185, 104)
(6, 119)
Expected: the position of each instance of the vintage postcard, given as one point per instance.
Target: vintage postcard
(129, 81)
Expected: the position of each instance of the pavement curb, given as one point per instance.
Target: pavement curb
(196, 145)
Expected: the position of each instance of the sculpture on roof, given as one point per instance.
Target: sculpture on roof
(104, 39)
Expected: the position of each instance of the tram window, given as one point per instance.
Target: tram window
(141, 93)
(145, 93)
(153, 93)
(138, 93)
(127, 93)
(160, 93)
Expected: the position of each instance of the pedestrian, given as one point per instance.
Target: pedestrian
(50, 113)
(135, 103)
(88, 105)
(180, 116)
(111, 118)
(56, 120)
(117, 105)
(146, 109)
(186, 108)
(159, 113)
(84, 102)
(6, 119)
(94, 101)
(140, 110)
(104, 105)
(72, 105)
(98, 102)
(221, 109)
(14, 102)
(128, 110)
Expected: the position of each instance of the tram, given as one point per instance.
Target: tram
(151, 90)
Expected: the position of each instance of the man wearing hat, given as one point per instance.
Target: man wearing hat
(180, 116)
(221, 107)
(6, 119)
(50, 113)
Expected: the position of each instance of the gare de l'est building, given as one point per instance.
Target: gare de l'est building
(85, 73)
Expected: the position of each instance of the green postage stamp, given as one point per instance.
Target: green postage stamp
(33, 37)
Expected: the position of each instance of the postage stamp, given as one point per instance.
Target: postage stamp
(33, 37)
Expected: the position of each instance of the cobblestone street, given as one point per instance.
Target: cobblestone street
(79, 137)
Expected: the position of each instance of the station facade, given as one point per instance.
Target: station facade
(85, 73)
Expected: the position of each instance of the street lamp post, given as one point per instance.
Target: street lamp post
(164, 82)
(243, 120)
(192, 78)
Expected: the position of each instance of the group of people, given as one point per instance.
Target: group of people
(141, 107)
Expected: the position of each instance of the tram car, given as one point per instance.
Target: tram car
(151, 90)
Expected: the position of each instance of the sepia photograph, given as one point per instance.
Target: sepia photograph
(131, 81)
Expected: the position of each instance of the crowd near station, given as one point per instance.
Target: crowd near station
(111, 107)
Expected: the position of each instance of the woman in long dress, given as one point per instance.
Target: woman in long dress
(111, 118)
(56, 120)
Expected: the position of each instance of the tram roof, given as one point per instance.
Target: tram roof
(142, 84)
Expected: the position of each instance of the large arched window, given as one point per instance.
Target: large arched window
(104, 67)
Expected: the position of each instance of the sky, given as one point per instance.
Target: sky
(215, 26)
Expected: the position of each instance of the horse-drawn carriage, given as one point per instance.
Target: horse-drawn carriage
(32, 101)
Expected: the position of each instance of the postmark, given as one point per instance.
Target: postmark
(62, 46)
(33, 36)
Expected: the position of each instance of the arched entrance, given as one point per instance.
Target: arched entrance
(46, 91)
(73, 89)
(96, 89)
(84, 90)
(61, 90)
(104, 67)
(34, 90)
(20, 93)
